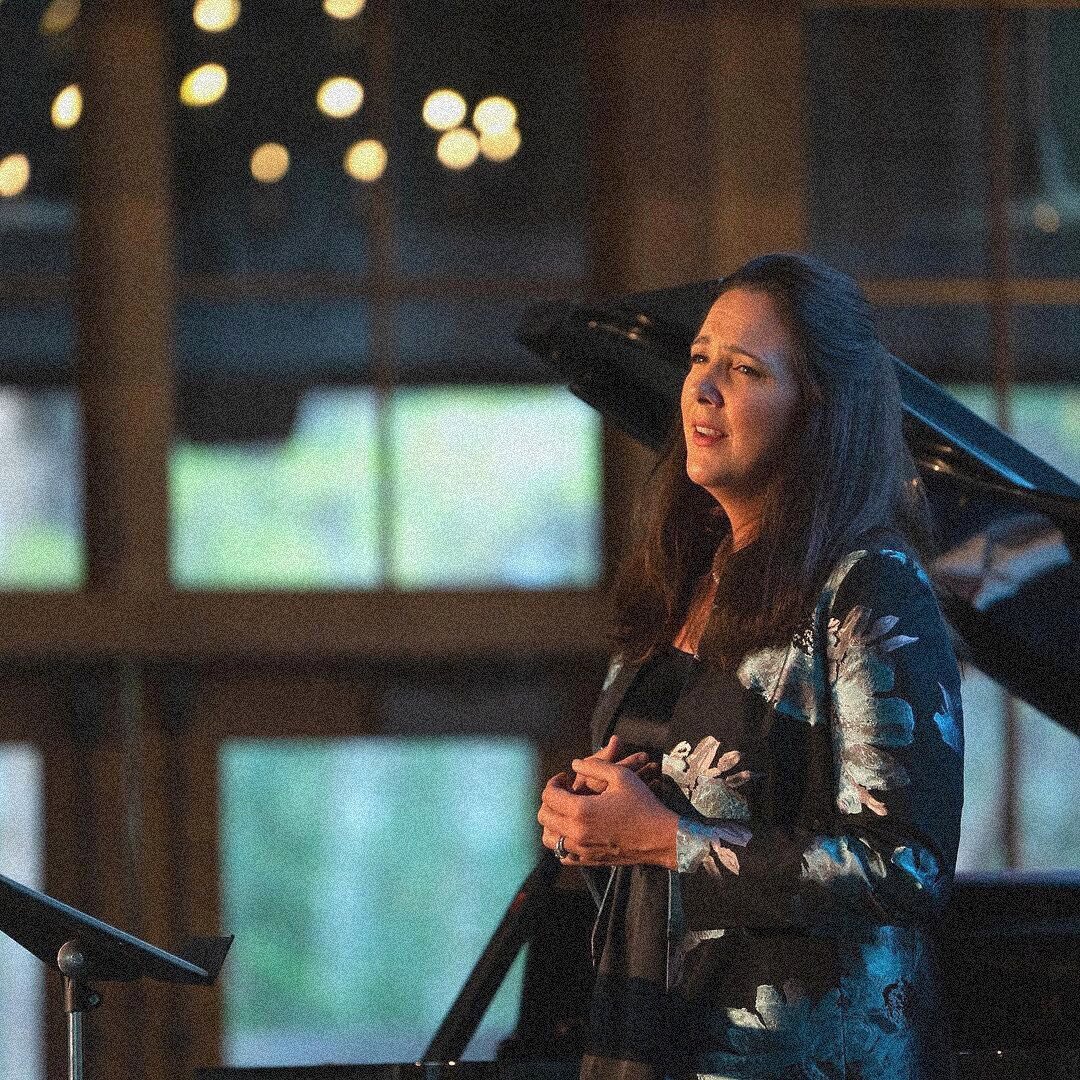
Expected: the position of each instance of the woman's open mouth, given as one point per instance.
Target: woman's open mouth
(702, 435)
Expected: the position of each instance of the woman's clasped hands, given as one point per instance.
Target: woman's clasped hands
(606, 814)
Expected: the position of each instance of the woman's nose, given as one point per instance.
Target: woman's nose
(708, 393)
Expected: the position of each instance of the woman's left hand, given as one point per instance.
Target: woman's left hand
(623, 824)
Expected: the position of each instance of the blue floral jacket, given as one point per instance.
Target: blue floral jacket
(820, 798)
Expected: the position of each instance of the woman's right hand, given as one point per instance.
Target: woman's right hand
(638, 763)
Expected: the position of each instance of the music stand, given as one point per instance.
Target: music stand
(85, 950)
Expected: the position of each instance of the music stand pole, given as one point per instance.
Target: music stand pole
(79, 997)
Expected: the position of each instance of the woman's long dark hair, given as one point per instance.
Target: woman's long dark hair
(844, 470)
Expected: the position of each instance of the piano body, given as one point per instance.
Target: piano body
(1009, 578)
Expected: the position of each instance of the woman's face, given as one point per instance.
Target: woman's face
(739, 399)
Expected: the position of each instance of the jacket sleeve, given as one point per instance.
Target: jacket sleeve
(878, 845)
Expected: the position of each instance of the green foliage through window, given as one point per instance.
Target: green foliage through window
(485, 487)
(362, 879)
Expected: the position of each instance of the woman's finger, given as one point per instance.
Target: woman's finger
(560, 780)
(610, 750)
(551, 839)
(601, 771)
(561, 800)
(554, 821)
(579, 785)
(585, 785)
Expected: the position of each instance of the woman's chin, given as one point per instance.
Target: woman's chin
(708, 479)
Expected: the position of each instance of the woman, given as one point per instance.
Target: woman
(778, 784)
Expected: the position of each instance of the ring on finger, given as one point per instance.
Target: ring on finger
(560, 849)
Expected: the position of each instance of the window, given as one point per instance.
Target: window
(40, 485)
(23, 985)
(350, 386)
(362, 879)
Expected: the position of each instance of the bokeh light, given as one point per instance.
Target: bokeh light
(494, 116)
(269, 163)
(59, 16)
(1045, 217)
(205, 85)
(343, 9)
(501, 147)
(366, 160)
(444, 109)
(67, 107)
(213, 16)
(340, 96)
(14, 175)
(457, 149)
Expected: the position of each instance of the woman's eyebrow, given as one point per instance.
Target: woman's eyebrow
(704, 339)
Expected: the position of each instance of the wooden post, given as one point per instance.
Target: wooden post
(124, 289)
(696, 159)
(124, 302)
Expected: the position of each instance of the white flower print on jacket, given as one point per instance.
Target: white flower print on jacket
(710, 780)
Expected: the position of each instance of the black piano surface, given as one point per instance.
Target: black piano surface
(431, 1070)
(1030, 1064)
(1009, 579)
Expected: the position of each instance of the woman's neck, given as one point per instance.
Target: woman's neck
(745, 532)
(744, 513)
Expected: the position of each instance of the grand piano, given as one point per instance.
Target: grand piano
(1009, 580)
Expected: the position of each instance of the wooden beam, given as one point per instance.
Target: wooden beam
(119, 754)
(380, 626)
(930, 292)
(945, 5)
(312, 285)
(31, 289)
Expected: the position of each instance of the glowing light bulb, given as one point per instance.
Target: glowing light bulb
(205, 85)
(340, 96)
(343, 9)
(494, 116)
(67, 107)
(214, 16)
(444, 109)
(59, 16)
(366, 160)
(458, 148)
(269, 163)
(14, 175)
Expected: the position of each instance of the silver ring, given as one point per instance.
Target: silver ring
(560, 849)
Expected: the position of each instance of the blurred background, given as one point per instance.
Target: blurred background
(303, 557)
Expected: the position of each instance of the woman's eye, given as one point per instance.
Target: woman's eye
(697, 358)
(746, 369)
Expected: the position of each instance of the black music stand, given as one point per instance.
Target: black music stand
(86, 950)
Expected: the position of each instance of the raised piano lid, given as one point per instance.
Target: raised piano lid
(1008, 522)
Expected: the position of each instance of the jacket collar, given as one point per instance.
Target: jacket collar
(620, 678)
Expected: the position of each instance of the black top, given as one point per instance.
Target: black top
(628, 1022)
